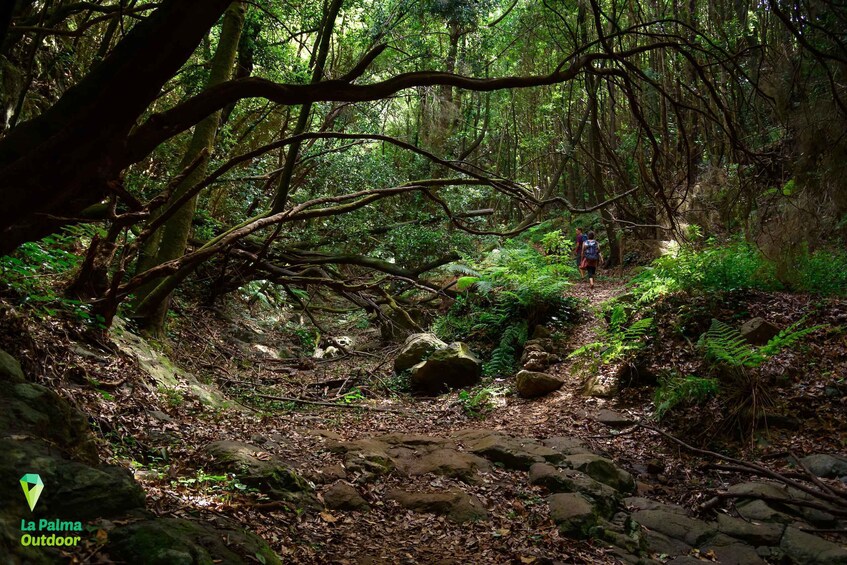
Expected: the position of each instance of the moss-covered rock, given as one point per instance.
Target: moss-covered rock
(267, 473)
(454, 366)
(175, 541)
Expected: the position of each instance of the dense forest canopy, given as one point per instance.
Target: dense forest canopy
(355, 146)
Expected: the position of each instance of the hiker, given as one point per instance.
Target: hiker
(580, 240)
(591, 257)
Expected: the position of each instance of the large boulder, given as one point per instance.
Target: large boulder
(342, 496)
(511, 453)
(41, 433)
(416, 348)
(758, 331)
(602, 470)
(803, 547)
(531, 384)
(452, 367)
(556, 480)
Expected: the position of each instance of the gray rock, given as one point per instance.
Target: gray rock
(512, 453)
(676, 526)
(601, 469)
(565, 445)
(612, 419)
(758, 331)
(341, 496)
(663, 545)
(416, 348)
(640, 503)
(808, 549)
(160, 416)
(755, 534)
(573, 514)
(328, 474)
(453, 367)
(445, 462)
(531, 384)
(457, 505)
(367, 455)
(759, 511)
(730, 551)
(604, 497)
(602, 386)
(10, 369)
(827, 466)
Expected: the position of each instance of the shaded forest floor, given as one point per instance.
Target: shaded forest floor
(163, 435)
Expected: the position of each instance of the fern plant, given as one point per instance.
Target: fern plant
(502, 299)
(725, 344)
(747, 396)
(619, 342)
(505, 355)
(675, 390)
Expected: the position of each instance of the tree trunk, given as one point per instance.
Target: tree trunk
(175, 232)
(54, 166)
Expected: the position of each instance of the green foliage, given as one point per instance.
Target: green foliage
(823, 272)
(715, 267)
(618, 342)
(478, 402)
(724, 344)
(507, 294)
(747, 396)
(675, 390)
(505, 355)
(739, 266)
(556, 243)
(353, 396)
(307, 337)
(173, 396)
(36, 272)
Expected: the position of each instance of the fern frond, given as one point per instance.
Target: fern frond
(726, 344)
(458, 268)
(637, 330)
(464, 283)
(788, 337)
(504, 357)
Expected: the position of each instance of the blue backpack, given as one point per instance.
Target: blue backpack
(591, 250)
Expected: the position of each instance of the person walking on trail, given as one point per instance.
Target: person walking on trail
(591, 257)
(580, 240)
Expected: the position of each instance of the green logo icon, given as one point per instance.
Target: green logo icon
(32, 485)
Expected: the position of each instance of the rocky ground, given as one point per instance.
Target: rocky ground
(235, 471)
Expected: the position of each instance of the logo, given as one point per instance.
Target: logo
(32, 485)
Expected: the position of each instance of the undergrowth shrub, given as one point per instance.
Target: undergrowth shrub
(503, 299)
(620, 341)
(675, 390)
(715, 267)
(36, 273)
(823, 272)
(739, 265)
(747, 398)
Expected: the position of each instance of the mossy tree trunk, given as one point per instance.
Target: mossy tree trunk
(173, 236)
